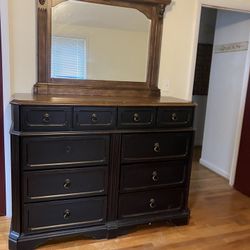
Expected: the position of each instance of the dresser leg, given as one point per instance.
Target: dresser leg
(24, 245)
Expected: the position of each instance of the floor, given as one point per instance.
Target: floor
(220, 220)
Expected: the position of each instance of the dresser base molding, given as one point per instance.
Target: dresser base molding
(107, 231)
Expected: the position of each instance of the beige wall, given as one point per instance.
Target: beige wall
(178, 47)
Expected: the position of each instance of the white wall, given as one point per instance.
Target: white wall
(6, 99)
(225, 93)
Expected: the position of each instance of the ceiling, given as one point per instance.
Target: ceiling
(75, 12)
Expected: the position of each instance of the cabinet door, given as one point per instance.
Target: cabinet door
(63, 151)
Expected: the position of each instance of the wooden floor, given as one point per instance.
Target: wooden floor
(220, 220)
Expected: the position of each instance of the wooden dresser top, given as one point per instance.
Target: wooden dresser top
(30, 99)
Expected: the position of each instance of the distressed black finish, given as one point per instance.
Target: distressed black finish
(97, 177)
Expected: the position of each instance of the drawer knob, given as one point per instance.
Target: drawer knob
(66, 214)
(94, 118)
(46, 117)
(155, 176)
(157, 147)
(68, 149)
(67, 184)
(152, 203)
(136, 117)
(174, 117)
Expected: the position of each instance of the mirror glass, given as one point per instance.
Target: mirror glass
(99, 42)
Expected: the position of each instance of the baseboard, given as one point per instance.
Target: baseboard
(214, 168)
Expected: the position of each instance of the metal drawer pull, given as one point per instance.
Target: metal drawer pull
(66, 214)
(157, 147)
(94, 118)
(46, 117)
(68, 149)
(174, 117)
(155, 176)
(152, 203)
(67, 184)
(136, 117)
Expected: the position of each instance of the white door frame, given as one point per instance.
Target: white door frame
(230, 6)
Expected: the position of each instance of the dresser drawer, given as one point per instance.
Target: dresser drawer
(63, 151)
(62, 184)
(94, 118)
(136, 117)
(153, 202)
(46, 216)
(45, 118)
(175, 117)
(152, 175)
(155, 146)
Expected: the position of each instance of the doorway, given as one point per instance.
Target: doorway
(220, 87)
(2, 166)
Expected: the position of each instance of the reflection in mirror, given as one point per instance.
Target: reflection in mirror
(99, 42)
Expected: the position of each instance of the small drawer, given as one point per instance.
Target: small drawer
(61, 184)
(152, 175)
(155, 146)
(64, 151)
(94, 118)
(46, 118)
(153, 202)
(175, 117)
(136, 117)
(47, 216)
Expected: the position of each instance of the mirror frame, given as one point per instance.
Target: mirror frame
(152, 9)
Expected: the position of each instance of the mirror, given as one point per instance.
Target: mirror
(92, 41)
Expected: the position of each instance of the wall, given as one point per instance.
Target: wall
(180, 36)
(225, 91)
(126, 51)
(6, 98)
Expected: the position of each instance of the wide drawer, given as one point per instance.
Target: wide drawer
(61, 184)
(152, 175)
(155, 146)
(175, 117)
(94, 118)
(46, 216)
(153, 202)
(62, 151)
(45, 118)
(136, 117)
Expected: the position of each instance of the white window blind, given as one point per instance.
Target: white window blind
(68, 58)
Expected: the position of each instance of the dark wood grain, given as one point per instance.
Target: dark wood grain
(101, 101)
(2, 163)
(97, 182)
(152, 9)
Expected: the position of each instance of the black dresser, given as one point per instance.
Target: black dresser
(98, 169)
